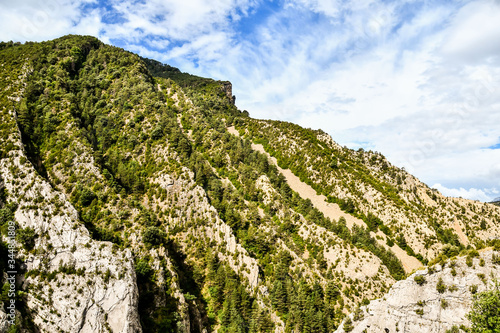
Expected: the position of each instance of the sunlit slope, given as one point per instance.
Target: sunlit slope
(177, 196)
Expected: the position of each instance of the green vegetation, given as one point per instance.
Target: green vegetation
(142, 152)
(440, 286)
(26, 237)
(485, 313)
(419, 279)
(86, 102)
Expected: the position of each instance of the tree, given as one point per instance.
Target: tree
(143, 269)
(153, 236)
(86, 197)
(26, 237)
(348, 326)
(440, 286)
(278, 296)
(419, 279)
(485, 313)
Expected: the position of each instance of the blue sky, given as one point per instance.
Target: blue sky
(418, 81)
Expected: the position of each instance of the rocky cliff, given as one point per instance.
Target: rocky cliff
(227, 87)
(432, 300)
(73, 283)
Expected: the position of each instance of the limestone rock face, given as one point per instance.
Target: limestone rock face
(92, 286)
(214, 228)
(420, 308)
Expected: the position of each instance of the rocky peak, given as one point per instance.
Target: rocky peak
(227, 87)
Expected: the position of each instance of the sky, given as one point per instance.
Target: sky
(418, 81)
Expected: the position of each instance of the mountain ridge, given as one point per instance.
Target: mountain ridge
(160, 169)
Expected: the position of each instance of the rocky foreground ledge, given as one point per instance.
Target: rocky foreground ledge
(429, 301)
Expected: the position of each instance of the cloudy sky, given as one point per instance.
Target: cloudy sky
(418, 81)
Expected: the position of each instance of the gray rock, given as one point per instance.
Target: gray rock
(104, 297)
(413, 308)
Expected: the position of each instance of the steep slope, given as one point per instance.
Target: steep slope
(104, 135)
(409, 214)
(330, 210)
(145, 200)
(57, 250)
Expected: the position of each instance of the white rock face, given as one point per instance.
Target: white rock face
(413, 308)
(214, 228)
(103, 296)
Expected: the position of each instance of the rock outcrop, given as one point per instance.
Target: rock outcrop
(71, 282)
(429, 301)
(100, 292)
(227, 87)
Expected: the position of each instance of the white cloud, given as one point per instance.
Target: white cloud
(473, 33)
(472, 193)
(185, 21)
(410, 95)
(328, 7)
(35, 20)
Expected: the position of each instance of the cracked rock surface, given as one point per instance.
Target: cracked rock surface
(420, 308)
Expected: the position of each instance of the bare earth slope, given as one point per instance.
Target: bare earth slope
(366, 185)
(330, 210)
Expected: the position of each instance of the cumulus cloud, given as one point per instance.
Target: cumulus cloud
(418, 97)
(475, 27)
(159, 24)
(35, 20)
(485, 195)
(441, 134)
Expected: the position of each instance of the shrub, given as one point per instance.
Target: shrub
(143, 269)
(26, 237)
(440, 286)
(86, 197)
(153, 236)
(468, 261)
(358, 315)
(454, 329)
(348, 327)
(473, 289)
(419, 279)
(485, 313)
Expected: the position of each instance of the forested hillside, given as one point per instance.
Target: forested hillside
(144, 200)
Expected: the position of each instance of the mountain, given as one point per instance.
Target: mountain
(143, 200)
